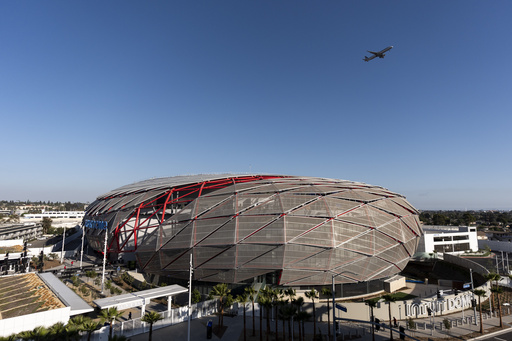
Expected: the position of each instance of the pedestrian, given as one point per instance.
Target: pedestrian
(130, 315)
(394, 322)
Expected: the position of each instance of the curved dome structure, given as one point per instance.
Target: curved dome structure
(302, 229)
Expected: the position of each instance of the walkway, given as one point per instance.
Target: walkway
(234, 331)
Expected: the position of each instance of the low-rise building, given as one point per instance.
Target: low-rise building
(448, 239)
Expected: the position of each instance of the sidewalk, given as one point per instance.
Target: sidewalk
(351, 331)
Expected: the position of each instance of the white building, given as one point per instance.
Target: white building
(59, 218)
(448, 239)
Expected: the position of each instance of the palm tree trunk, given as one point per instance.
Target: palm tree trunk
(481, 322)
(289, 331)
(300, 332)
(499, 306)
(284, 333)
(268, 322)
(373, 326)
(314, 321)
(303, 333)
(329, 318)
(253, 325)
(150, 331)
(277, 334)
(261, 324)
(390, 330)
(245, 329)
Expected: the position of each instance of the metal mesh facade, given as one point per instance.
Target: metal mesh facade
(238, 227)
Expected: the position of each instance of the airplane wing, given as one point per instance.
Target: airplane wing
(367, 59)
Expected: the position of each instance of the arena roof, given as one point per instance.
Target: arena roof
(239, 226)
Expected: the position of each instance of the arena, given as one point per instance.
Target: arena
(292, 230)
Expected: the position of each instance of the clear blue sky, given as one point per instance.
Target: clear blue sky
(95, 95)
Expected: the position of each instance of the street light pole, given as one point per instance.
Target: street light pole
(189, 296)
(473, 291)
(104, 258)
(63, 243)
(333, 311)
(82, 249)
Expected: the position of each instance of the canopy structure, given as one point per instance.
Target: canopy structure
(66, 295)
(140, 298)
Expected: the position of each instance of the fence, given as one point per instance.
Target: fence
(172, 317)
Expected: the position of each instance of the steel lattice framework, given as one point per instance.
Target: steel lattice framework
(237, 227)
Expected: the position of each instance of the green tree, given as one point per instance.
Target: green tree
(47, 225)
(312, 295)
(151, 317)
(286, 312)
(302, 317)
(372, 303)
(196, 296)
(266, 301)
(389, 299)
(480, 293)
(327, 293)
(251, 293)
(110, 315)
(467, 218)
(222, 293)
(496, 291)
(243, 299)
(439, 219)
(59, 331)
(90, 326)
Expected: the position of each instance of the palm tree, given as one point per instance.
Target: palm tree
(151, 317)
(12, 337)
(37, 334)
(76, 325)
(389, 299)
(242, 299)
(480, 293)
(267, 294)
(496, 291)
(298, 302)
(302, 316)
(251, 292)
(222, 293)
(276, 301)
(327, 292)
(261, 302)
(372, 303)
(110, 315)
(58, 331)
(90, 326)
(286, 312)
(312, 294)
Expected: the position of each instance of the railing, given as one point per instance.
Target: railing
(174, 316)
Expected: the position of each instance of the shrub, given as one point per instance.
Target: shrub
(84, 290)
(447, 324)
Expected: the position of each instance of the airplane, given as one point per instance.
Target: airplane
(379, 54)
